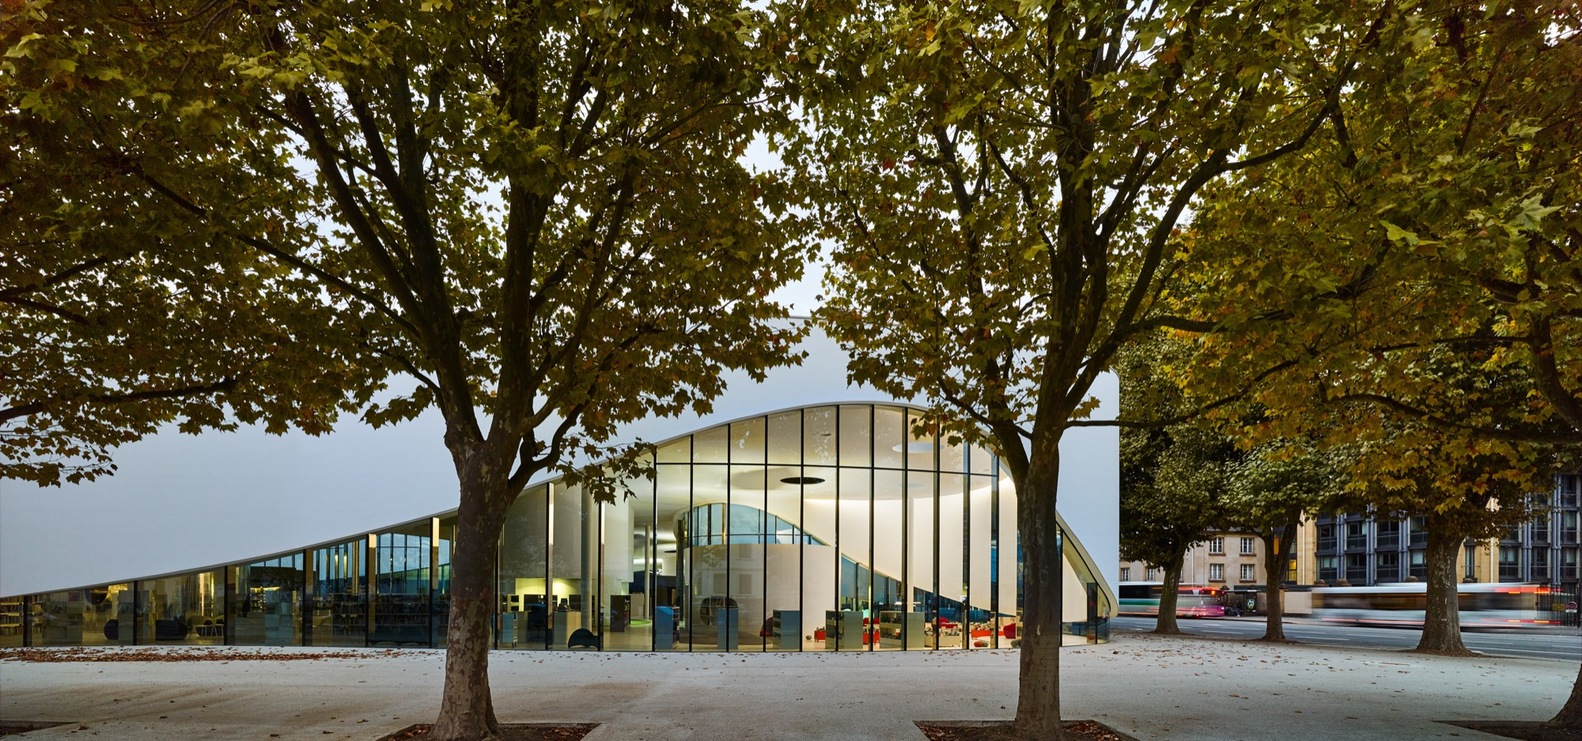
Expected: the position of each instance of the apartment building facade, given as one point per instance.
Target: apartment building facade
(1357, 549)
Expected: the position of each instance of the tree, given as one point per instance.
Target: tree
(538, 212)
(1001, 183)
(1170, 487)
(117, 313)
(1269, 491)
(1462, 490)
(1172, 476)
(1443, 214)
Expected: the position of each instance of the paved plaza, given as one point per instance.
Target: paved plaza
(1150, 687)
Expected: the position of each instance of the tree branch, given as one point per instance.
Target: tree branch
(226, 384)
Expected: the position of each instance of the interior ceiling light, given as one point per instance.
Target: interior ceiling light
(801, 480)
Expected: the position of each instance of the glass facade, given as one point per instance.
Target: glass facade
(852, 527)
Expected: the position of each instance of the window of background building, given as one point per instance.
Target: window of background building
(1216, 545)
(1246, 546)
(1356, 568)
(1247, 572)
(1290, 571)
(1387, 534)
(1510, 563)
(1356, 534)
(1417, 564)
(1126, 573)
(1216, 572)
(1417, 531)
(1470, 555)
(1327, 566)
(1387, 565)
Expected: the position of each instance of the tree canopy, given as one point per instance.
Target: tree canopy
(1173, 477)
(1003, 182)
(1422, 256)
(539, 213)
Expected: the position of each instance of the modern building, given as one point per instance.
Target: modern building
(1357, 549)
(802, 515)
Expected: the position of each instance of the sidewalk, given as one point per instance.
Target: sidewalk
(1147, 686)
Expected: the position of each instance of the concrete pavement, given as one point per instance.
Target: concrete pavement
(1147, 686)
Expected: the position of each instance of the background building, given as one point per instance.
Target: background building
(1224, 559)
(1359, 550)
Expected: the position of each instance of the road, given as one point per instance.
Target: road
(1546, 643)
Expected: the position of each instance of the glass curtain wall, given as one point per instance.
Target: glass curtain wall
(84, 617)
(834, 528)
(403, 585)
(854, 527)
(266, 602)
(337, 600)
(523, 618)
(439, 601)
(189, 608)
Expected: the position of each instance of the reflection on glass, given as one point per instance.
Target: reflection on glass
(785, 434)
(922, 454)
(266, 608)
(84, 617)
(856, 435)
(711, 445)
(189, 608)
(819, 433)
(747, 441)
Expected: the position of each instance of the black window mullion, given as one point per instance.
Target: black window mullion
(870, 622)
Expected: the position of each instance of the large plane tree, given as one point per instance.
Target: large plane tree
(1003, 182)
(1443, 214)
(537, 212)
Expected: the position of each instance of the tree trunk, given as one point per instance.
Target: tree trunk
(466, 710)
(1442, 620)
(1570, 715)
(1038, 687)
(1277, 561)
(1170, 595)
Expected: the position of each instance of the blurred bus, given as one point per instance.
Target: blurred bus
(1482, 605)
(1192, 600)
